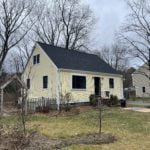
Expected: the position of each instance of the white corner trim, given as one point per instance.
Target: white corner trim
(58, 89)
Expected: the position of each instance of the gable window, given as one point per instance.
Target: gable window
(111, 83)
(143, 89)
(78, 82)
(28, 83)
(36, 59)
(45, 82)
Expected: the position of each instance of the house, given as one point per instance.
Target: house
(129, 90)
(54, 71)
(141, 81)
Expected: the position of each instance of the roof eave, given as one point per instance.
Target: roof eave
(91, 72)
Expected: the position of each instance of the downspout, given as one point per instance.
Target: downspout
(122, 89)
(58, 89)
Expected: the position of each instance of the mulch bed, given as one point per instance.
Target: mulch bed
(73, 111)
(35, 141)
(93, 139)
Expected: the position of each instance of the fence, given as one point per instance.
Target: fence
(41, 104)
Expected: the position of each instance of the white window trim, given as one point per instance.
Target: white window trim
(77, 74)
(45, 89)
(36, 59)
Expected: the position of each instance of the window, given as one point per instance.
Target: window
(45, 82)
(111, 83)
(78, 82)
(107, 93)
(143, 89)
(36, 59)
(28, 83)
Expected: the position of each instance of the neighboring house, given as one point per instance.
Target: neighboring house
(141, 81)
(53, 71)
(129, 90)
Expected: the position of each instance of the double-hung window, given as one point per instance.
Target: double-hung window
(36, 59)
(28, 83)
(111, 83)
(45, 82)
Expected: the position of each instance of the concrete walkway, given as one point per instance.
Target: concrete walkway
(139, 103)
(138, 109)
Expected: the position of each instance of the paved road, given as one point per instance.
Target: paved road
(140, 103)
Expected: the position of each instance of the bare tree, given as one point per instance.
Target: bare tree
(66, 23)
(24, 51)
(115, 56)
(14, 24)
(48, 26)
(135, 32)
(16, 62)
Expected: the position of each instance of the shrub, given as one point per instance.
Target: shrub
(65, 101)
(93, 100)
(43, 109)
(113, 100)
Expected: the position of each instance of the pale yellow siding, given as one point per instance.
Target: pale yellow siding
(36, 73)
(83, 95)
(60, 80)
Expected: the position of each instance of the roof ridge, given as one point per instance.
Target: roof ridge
(69, 50)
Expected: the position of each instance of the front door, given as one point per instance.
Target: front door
(97, 86)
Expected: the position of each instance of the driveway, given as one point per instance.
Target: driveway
(139, 109)
(139, 103)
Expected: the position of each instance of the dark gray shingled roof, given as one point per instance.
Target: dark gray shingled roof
(75, 60)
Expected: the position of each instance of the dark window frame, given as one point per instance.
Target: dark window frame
(111, 83)
(107, 93)
(45, 82)
(36, 59)
(78, 82)
(143, 89)
(28, 83)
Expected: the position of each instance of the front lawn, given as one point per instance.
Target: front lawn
(131, 129)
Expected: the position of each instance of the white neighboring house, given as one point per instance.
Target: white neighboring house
(141, 81)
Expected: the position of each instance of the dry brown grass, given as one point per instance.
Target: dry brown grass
(131, 129)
